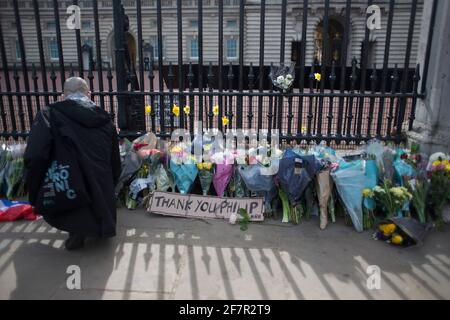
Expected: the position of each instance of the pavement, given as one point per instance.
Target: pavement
(156, 257)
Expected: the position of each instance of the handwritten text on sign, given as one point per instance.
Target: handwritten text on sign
(196, 206)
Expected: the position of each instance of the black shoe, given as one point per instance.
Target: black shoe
(74, 242)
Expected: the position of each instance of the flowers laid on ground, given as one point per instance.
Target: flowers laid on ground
(392, 199)
(380, 183)
(439, 189)
(12, 170)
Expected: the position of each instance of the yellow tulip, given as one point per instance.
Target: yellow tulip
(187, 109)
(148, 109)
(225, 120)
(176, 110)
(317, 76)
(216, 110)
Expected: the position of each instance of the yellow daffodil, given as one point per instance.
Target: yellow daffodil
(317, 76)
(148, 109)
(216, 110)
(176, 110)
(225, 120)
(200, 166)
(187, 109)
(397, 239)
(367, 193)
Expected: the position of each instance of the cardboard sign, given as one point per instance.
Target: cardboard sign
(197, 206)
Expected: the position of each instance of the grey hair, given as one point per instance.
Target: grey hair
(75, 85)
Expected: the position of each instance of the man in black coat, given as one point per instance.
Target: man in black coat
(98, 155)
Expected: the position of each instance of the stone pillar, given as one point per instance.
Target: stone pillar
(432, 124)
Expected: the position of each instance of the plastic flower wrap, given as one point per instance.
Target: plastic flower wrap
(419, 190)
(402, 169)
(183, 167)
(324, 187)
(223, 171)
(388, 158)
(295, 173)
(130, 165)
(439, 189)
(350, 180)
(283, 77)
(257, 182)
(164, 180)
(140, 188)
(205, 175)
(237, 187)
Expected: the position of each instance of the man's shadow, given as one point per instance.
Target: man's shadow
(44, 269)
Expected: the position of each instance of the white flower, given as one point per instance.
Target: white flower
(233, 218)
(289, 77)
(280, 79)
(378, 189)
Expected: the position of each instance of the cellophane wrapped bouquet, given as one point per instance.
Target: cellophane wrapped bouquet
(283, 77)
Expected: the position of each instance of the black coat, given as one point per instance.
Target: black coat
(97, 139)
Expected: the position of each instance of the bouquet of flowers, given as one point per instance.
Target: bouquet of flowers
(324, 187)
(392, 199)
(283, 77)
(183, 167)
(419, 191)
(259, 183)
(439, 189)
(205, 174)
(223, 171)
(164, 180)
(294, 175)
(349, 179)
(12, 183)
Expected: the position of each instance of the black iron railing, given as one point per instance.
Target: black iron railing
(352, 102)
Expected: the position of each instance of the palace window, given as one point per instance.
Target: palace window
(231, 48)
(53, 49)
(18, 52)
(193, 48)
